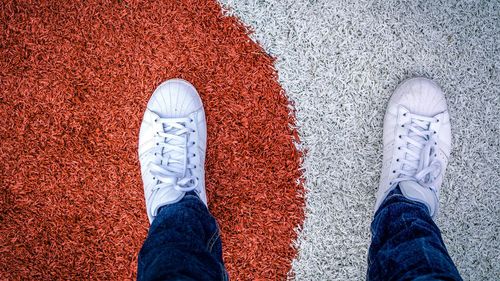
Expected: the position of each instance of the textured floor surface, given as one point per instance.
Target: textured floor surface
(339, 62)
(74, 80)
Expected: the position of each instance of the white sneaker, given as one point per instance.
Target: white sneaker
(417, 143)
(172, 145)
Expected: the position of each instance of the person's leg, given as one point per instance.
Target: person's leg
(407, 244)
(183, 243)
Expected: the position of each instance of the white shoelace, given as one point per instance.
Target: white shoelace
(174, 151)
(420, 161)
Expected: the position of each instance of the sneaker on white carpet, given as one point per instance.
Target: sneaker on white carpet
(417, 143)
(172, 145)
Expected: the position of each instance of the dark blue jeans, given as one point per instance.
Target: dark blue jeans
(184, 244)
(407, 244)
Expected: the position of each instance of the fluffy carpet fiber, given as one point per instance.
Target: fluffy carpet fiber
(75, 77)
(339, 62)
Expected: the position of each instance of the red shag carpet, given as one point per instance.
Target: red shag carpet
(75, 77)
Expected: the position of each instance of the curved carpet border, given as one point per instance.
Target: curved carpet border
(75, 78)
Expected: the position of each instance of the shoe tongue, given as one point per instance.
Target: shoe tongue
(176, 158)
(410, 184)
(164, 196)
(415, 149)
(416, 192)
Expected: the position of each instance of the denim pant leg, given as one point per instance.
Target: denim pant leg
(183, 243)
(407, 244)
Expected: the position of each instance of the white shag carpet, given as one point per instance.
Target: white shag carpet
(339, 62)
